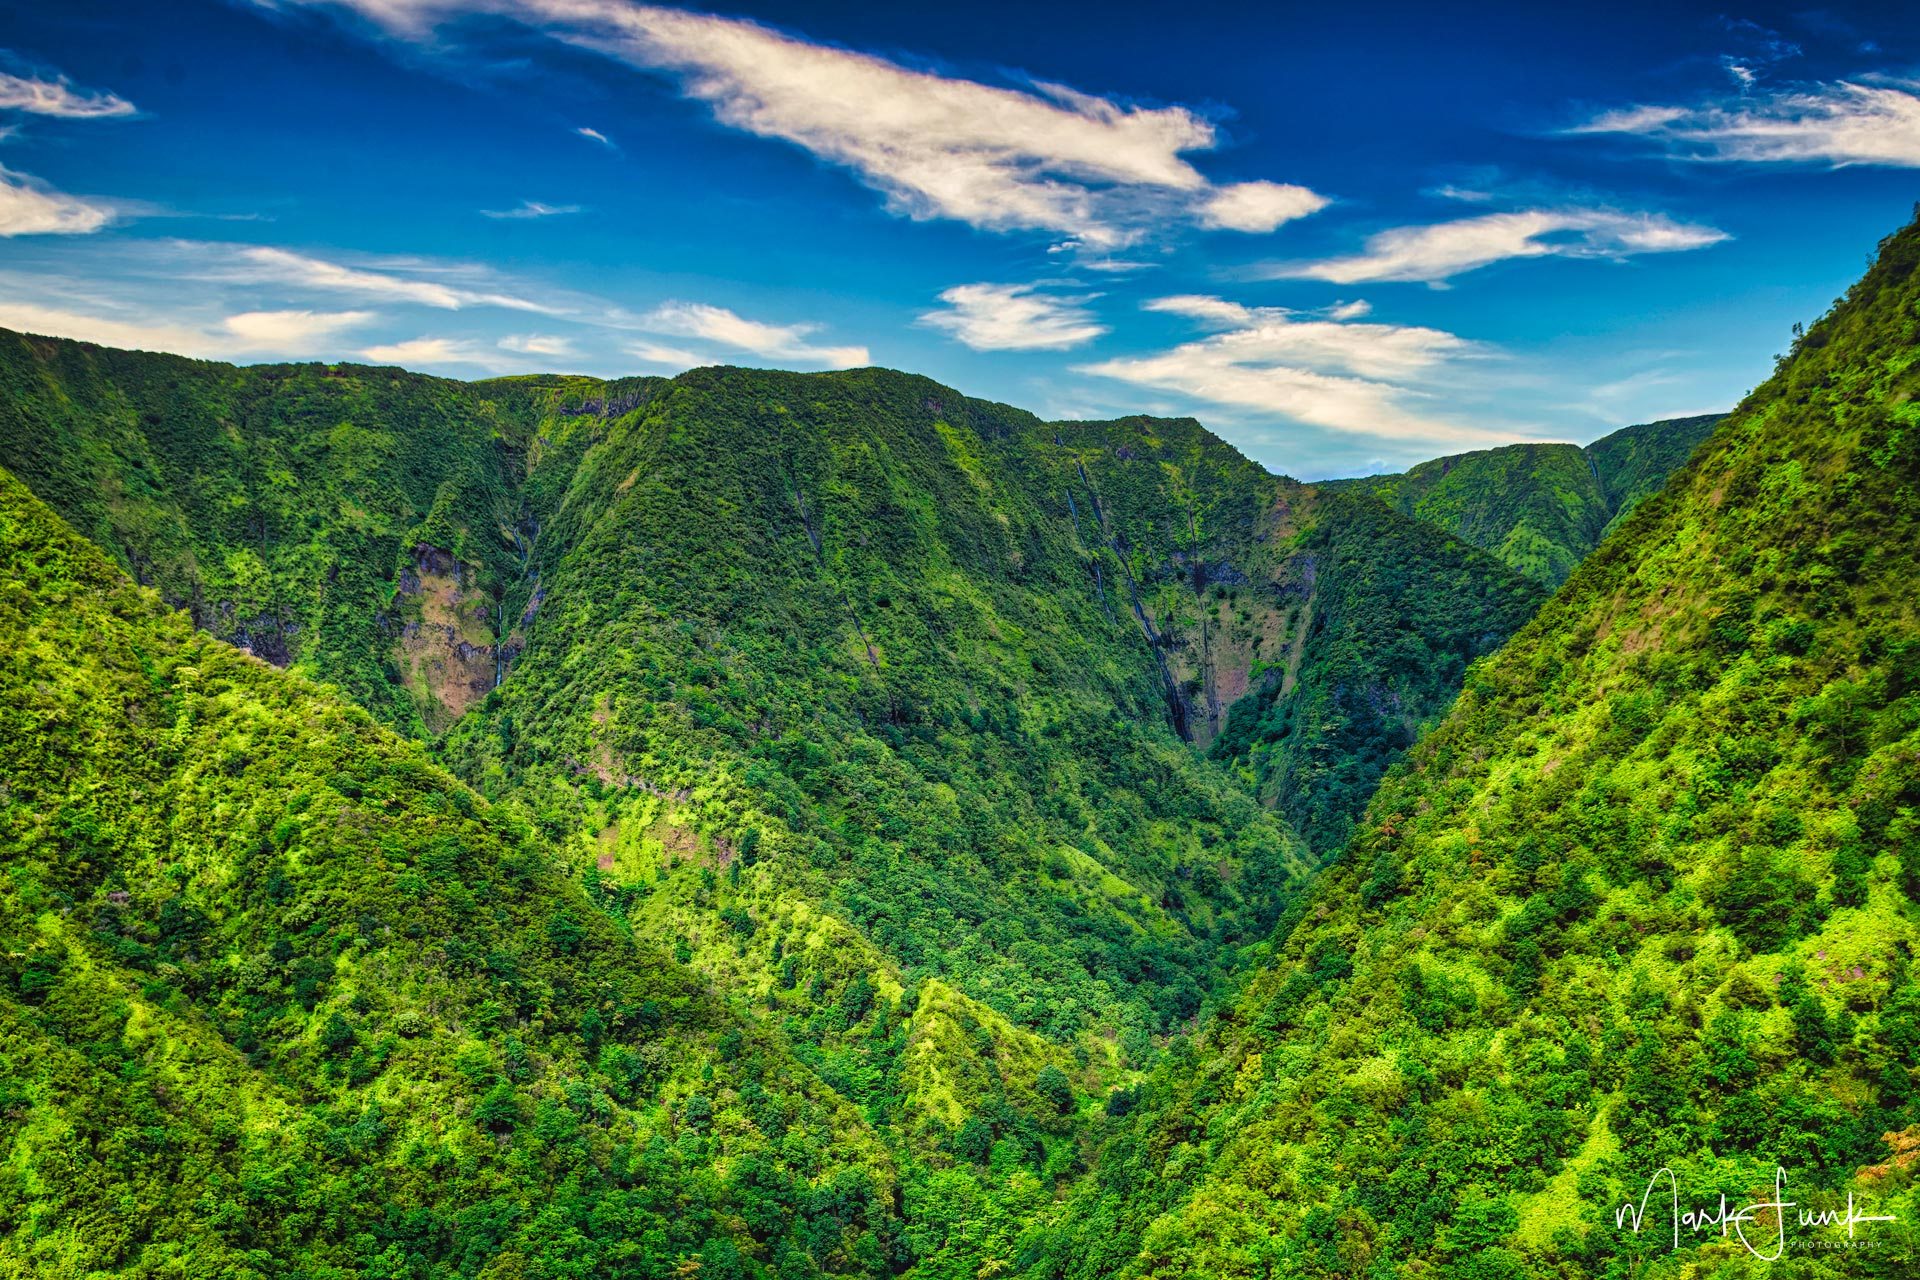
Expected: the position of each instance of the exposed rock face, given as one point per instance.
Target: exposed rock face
(271, 637)
(446, 649)
(1225, 627)
(268, 638)
(608, 406)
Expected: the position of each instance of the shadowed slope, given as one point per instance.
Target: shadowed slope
(1645, 899)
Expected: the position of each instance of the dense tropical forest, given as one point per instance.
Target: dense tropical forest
(931, 661)
(1542, 508)
(1643, 900)
(877, 717)
(757, 824)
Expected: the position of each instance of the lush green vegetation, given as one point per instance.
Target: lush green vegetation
(1394, 618)
(1633, 463)
(803, 821)
(279, 505)
(929, 659)
(1307, 636)
(838, 837)
(282, 997)
(805, 825)
(934, 659)
(1542, 508)
(1645, 899)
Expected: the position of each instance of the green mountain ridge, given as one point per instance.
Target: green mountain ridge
(895, 718)
(1644, 900)
(818, 573)
(283, 997)
(823, 824)
(1541, 508)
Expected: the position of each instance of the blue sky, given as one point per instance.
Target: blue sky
(1345, 237)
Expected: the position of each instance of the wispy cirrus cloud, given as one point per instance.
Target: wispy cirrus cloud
(1437, 252)
(730, 329)
(530, 209)
(29, 207)
(1014, 317)
(247, 333)
(293, 330)
(424, 284)
(1334, 373)
(134, 332)
(1041, 156)
(676, 358)
(219, 300)
(594, 135)
(55, 96)
(537, 344)
(1841, 123)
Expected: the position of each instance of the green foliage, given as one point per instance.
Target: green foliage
(1641, 901)
(862, 698)
(1634, 462)
(830, 634)
(282, 997)
(1054, 1088)
(937, 655)
(862, 776)
(1542, 508)
(291, 509)
(1398, 613)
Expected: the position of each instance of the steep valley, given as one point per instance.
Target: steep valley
(715, 600)
(768, 824)
(1642, 901)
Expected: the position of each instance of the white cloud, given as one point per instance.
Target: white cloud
(29, 207)
(1013, 317)
(1258, 207)
(537, 344)
(594, 135)
(1080, 253)
(291, 333)
(266, 265)
(1346, 377)
(419, 351)
(58, 98)
(1045, 157)
(222, 300)
(673, 357)
(1439, 251)
(1333, 346)
(531, 209)
(1465, 195)
(138, 334)
(1214, 311)
(295, 331)
(729, 329)
(1838, 124)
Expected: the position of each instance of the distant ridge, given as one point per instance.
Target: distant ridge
(1645, 901)
(1541, 508)
(893, 723)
